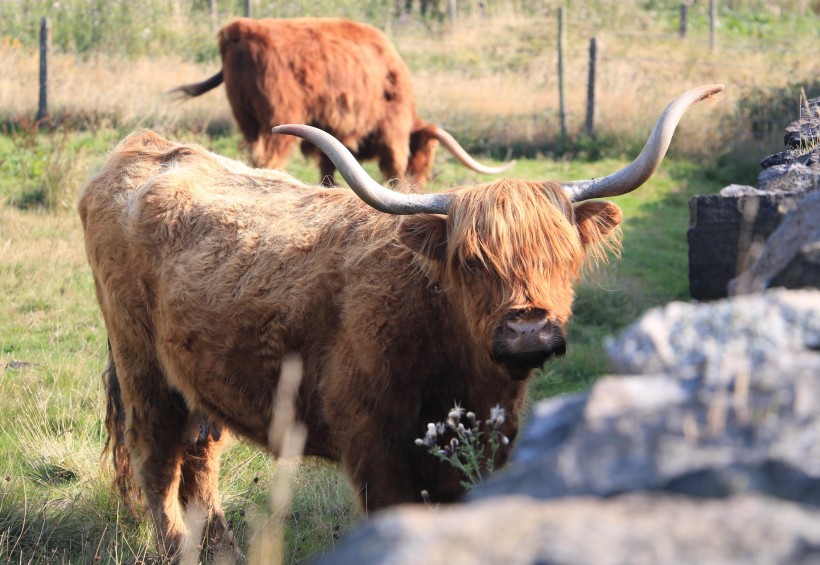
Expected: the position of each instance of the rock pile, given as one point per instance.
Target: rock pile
(728, 231)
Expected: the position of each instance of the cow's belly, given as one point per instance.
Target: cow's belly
(236, 385)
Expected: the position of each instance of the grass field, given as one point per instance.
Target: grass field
(490, 80)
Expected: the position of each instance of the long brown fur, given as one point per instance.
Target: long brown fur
(208, 273)
(341, 76)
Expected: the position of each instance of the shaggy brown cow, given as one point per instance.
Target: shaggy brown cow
(208, 272)
(340, 76)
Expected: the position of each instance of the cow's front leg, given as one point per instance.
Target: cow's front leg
(379, 471)
(327, 171)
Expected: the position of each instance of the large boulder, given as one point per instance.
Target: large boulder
(696, 339)
(790, 177)
(635, 529)
(708, 453)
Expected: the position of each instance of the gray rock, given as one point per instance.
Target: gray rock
(805, 132)
(634, 529)
(802, 271)
(791, 256)
(728, 402)
(740, 190)
(712, 444)
(810, 157)
(691, 339)
(790, 178)
(726, 232)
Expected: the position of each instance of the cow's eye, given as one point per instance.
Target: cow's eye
(473, 266)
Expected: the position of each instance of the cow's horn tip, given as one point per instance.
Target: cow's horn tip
(713, 89)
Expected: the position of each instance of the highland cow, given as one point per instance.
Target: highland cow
(208, 273)
(340, 76)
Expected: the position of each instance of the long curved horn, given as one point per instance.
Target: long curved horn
(636, 173)
(450, 143)
(378, 196)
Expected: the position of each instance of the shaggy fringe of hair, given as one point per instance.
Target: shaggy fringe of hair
(523, 243)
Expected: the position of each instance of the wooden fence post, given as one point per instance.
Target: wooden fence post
(593, 55)
(45, 49)
(212, 14)
(713, 26)
(561, 109)
(683, 18)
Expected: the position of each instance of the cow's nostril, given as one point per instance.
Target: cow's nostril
(517, 328)
(510, 333)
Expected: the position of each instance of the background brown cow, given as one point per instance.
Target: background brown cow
(340, 76)
(208, 273)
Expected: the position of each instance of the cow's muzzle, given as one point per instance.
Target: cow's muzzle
(525, 340)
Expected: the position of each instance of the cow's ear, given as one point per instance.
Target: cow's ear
(425, 234)
(596, 220)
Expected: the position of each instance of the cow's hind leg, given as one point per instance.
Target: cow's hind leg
(155, 418)
(199, 490)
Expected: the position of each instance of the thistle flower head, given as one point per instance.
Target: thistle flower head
(471, 418)
(429, 439)
(454, 416)
(497, 416)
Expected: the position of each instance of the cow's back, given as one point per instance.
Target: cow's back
(339, 75)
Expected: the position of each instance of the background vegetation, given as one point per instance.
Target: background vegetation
(490, 79)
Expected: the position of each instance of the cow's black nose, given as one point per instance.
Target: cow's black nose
(526, 339)
(526, 331)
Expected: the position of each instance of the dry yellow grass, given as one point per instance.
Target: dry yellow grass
(133, 91)
(636, 75)
(457, 79)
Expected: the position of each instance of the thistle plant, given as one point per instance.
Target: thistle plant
(470, 448)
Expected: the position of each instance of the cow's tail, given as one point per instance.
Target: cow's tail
(115, 443)
(197, 88)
